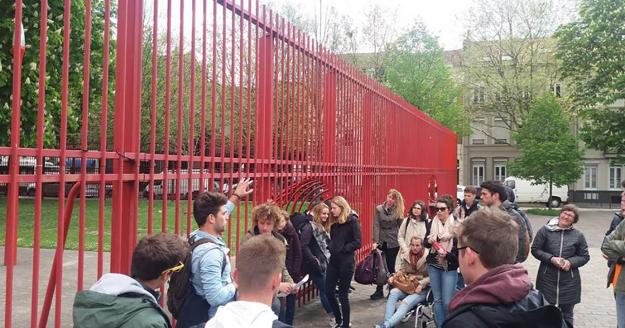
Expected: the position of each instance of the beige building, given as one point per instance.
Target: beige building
(487, 152)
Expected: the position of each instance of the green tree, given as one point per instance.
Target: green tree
(548, 149)
(415, 69)
(592, 58)
(54, 63)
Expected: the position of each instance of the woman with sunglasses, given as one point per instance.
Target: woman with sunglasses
(414, 225)
(443, 258)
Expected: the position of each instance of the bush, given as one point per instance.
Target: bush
(543, 211)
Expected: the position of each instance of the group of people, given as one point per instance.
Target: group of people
(469, 257)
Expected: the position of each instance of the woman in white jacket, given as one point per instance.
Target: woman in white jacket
(414, 225)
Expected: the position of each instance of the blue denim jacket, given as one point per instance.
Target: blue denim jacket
(208, 278)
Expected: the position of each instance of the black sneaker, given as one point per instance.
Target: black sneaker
(379, 293)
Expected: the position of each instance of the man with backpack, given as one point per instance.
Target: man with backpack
(211, 282)
(494, 195)
(118, 300)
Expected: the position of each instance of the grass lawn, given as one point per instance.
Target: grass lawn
(543, 211)
(49, 222)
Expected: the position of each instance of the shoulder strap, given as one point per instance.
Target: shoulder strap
(202, 241)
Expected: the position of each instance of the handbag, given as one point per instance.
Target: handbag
(382, 274)
(366, 270)
(406, 283)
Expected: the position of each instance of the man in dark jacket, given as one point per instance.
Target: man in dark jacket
(117, 300)
(616, 219)
(468, 205)
(499, 293)
(494, 195)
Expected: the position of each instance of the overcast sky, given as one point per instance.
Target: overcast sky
(442, 17)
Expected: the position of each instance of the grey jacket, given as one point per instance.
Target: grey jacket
(558, 286)
(385, 227)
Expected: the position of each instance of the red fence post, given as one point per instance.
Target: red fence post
(264, 117)
(329, 144)
(126, 140)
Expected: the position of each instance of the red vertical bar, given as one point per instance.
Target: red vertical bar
(103, 133)
(83, 146)
(203, 124)
(165, 182)
(10, 249)
(43, 31)
(240, 150)
(224, 90)
(213, 132)
(232, 118)
(63, 145)
(179, 121)
(127, 118)
(190, 184)
(153, 116)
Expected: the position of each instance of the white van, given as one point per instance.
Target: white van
(526, 192)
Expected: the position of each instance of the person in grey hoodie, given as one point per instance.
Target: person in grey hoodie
(118, 300)
(258, 275)
(561, 250)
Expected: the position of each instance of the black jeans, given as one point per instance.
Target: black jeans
(567, 313)
(340, 272)
(391, 256)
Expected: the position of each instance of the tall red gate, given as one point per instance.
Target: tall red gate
(159, 100)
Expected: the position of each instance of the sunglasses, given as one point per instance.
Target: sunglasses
(176, 268)
(440, 209)
(464, 247)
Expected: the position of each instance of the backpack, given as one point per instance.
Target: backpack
(528, 230)
(366, 270)
(181, 294)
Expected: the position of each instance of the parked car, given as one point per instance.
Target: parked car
(527, 191)
(51, 189)
(184, 186)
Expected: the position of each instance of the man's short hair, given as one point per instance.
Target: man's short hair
(470, 190)
(267, 211)
(207, 203)
(258, 260)
(495, 187)
(493, 234)
(155, 254)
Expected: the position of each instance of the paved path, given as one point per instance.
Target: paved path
(596, 310)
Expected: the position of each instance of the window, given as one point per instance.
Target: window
(557, 90)
(478, 137)
(500, 170)
(616, 176)
(500, 131)
(477, 172)
(478, 95)
(590, 176)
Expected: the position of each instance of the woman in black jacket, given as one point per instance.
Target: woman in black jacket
(561, 250)
(345, 239)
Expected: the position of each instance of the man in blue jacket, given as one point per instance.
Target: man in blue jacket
(210, 269)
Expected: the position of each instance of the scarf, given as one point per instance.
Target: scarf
(439, 229)
(414, 258)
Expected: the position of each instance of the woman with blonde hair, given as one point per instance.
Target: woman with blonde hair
(386, 221)
(345, 239)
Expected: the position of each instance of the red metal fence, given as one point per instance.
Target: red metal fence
(201, 93)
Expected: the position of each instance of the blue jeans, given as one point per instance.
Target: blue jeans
(319, 279)
(620, 309)
(443, 284)
(392, 316)
(287, 309)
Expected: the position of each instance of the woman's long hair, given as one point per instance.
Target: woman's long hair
(316, 214)
(424, 213)
(346, 210)
(399, 203)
